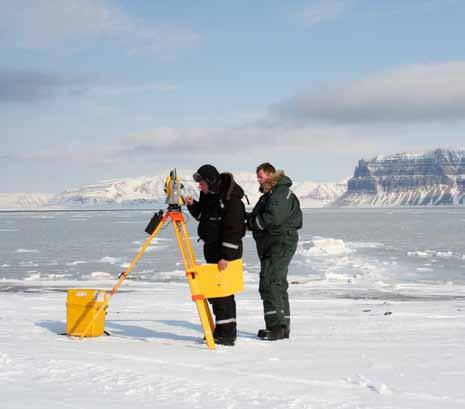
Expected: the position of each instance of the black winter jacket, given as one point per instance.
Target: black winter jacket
(207, 212)
(221, 218)
(233, 217)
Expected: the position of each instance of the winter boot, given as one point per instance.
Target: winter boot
(225, 340)
(272, 334)
(225, 334)
(287, 331)
(262, 333)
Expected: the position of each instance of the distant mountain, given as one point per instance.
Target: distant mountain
(29, 201)
(313, 194)
(147, 192)
(429, 178)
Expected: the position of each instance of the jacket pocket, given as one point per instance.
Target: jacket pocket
(209, 231)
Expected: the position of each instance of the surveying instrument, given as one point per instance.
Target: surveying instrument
(86, 308)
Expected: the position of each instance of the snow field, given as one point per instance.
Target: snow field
(344, 352)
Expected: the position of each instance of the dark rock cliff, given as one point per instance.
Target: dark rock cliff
(430, 178)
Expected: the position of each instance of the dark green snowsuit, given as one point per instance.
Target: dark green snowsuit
(274, 221)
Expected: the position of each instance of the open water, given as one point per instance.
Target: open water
(364, 246)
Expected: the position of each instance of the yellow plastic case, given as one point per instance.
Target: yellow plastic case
(81, 308)
(208, 281)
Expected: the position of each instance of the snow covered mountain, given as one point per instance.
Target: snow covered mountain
(312, 194)
(429, 178)
(147, 192)
(30, 201)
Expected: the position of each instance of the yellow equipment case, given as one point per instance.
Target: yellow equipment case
(206, 280)
(81, 310)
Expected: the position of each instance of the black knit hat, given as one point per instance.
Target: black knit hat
(209, 174)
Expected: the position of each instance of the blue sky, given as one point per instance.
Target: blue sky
(98, 89)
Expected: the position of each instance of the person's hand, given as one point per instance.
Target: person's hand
(248, 221)
(222, 264)
(189, 200)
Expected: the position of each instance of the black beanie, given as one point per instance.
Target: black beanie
(209, 174)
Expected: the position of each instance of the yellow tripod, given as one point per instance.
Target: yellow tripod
(205, 280)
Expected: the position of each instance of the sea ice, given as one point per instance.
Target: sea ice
(338, 356)
(324, 246)
(109, 260)
(75, 263)
(33, 276)
(100, 274)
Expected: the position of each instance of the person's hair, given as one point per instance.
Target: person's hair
(267, 167)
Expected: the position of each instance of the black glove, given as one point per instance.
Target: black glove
(249, 221)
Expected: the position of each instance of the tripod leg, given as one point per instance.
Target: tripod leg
(206, 321)
(138, 256)
(210, 317)
(123, 276)
(188, 256)
(188, 243)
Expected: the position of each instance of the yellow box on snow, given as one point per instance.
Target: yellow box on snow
(81, 308)
(210, 282)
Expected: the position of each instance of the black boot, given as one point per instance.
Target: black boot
(272, 334)
(225, 334)
(225, 340)
(229, 341)
(287, 331)
(262, 333)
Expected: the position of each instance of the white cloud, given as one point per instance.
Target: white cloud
(321, 11)
(329, 151)
(162, 145)
(246, 140)
(417, 93)
(218, 142)
(50, 23)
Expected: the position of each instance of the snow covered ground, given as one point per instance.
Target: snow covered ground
(378, 317)
(400, 347)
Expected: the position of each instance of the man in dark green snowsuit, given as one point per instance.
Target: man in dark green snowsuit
(274, 222)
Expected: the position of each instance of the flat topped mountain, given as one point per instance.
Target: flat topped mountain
(406, 179)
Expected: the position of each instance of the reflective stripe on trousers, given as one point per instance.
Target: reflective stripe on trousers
(228, 321)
